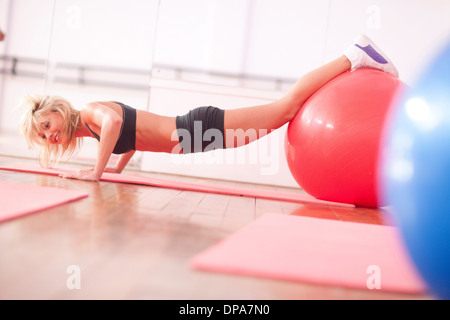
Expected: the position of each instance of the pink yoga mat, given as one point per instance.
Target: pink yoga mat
(317, 251)
(18, 200)
(135, 179)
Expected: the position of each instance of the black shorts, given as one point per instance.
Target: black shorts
(201, 129)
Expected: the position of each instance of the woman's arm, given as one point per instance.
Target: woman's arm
(108, 122)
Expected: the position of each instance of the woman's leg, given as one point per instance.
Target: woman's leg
(363, 53)
(244, 125)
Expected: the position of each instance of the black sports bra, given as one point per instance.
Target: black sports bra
(127, 137)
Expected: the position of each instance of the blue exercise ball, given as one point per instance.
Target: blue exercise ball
(415, 173)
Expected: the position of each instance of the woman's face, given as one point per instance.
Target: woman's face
(51, 128)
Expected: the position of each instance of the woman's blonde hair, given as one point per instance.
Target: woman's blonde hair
(38, 106)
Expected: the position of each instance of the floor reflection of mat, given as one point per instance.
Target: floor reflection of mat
(18, 200)
(163, 183)
(318, 251)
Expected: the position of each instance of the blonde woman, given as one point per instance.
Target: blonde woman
(57, 128)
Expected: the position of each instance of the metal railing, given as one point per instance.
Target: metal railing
(112, 76)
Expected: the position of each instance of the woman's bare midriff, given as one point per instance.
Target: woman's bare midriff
(155, 133)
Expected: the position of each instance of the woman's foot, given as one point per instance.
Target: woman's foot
(363, 53)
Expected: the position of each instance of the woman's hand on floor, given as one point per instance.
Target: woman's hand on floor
(112, 170)
(85, 174)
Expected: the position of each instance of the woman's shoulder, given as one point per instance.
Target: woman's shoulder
(94, 111)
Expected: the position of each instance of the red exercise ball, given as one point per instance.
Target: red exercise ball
(332, 143)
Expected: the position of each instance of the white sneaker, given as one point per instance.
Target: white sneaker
(363, 53)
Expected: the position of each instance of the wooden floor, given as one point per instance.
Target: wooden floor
(135, 242)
